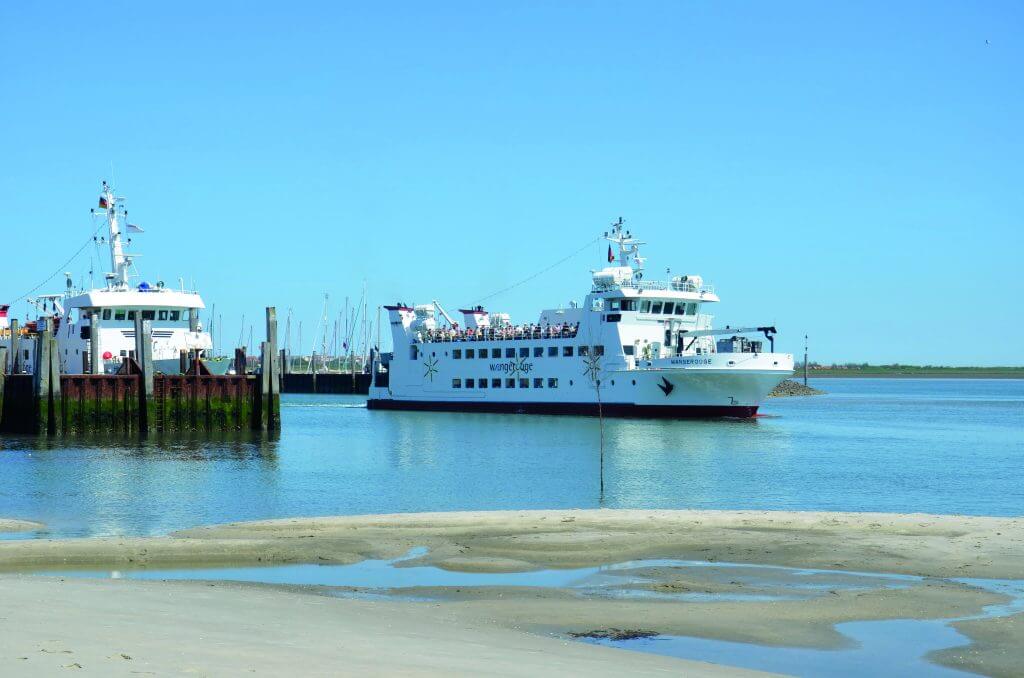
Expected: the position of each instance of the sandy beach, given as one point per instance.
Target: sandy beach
(517, 630)
(11, 525)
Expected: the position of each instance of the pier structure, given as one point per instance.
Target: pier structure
(137, 399)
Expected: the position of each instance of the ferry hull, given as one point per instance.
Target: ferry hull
(578, 409)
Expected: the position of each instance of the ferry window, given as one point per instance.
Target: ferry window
(495, 352)
(131, 315)
(567, 351)
(691, 309)
(645, 307)
(524, 351)
(670, 308)
(175, 315)
(161, 315)
(149, 315)
(414, 352)
(119, 314)
(584, 351)
(680, 309)
(470, 354)
(538, 351)
(106, 314)
(524, 382)
(614, 305)
(456, 383)
(124, 354)
(482, 384)
(599, 350)
(552, 351)
(510, 353)
(538, 382)
(481, 353)
(495, 383)
(457, 353)
(552, 382)
(510, 383)
(629, 304)
(627, 349)
(470, 383)
(656, 307)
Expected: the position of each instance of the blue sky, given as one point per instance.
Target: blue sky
(850, 171)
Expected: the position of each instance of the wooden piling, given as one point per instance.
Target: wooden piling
(41, 383)
(95, 357)
(15, 347)
(144, 358)
(273, 362)
(3, 376)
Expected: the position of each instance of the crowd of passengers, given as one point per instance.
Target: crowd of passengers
(530, 331)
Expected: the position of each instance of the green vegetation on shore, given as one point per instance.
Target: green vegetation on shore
(898, 370)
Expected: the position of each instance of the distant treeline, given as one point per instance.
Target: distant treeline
(900, 370)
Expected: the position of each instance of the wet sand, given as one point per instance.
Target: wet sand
(995, 648)
(932, 547)
(11, 525)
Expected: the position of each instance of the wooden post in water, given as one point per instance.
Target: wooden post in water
(144, 357)
(41, 382)
(56, 418)
(273, 381)
(240, 360)
(95, 357)
(805, 360)
(15, 348)
(266, 360)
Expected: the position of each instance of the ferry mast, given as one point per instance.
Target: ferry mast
(119, 261)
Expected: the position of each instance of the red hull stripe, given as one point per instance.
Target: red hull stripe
(580, 409)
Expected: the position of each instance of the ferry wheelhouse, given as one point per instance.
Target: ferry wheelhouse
(634, 347)
(107, 314)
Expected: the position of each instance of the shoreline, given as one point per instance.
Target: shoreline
(13, 525)
(738, 601)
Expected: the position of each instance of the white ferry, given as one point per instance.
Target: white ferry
(107, 314)
(633, 348)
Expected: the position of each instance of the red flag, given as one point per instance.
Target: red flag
(611, 257)
(103, 203)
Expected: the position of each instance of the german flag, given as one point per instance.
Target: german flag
(103, 202)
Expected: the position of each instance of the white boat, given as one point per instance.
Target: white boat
(634, 347)
(107, 314)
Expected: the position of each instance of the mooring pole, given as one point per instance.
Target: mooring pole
(3, 378)
(272, 363)
(144, 357)
(95, 357)
(56, 404)
(240, 361)
(15, 349)
(41, 382)
(805, 360)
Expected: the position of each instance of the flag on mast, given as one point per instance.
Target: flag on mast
(103, 202)
(611, 257)
(132, 228)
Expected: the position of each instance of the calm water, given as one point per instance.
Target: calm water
(942, 446)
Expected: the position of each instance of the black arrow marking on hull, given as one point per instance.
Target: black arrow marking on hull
(666, 386)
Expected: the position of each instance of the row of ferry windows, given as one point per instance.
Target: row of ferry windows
(147, 314)
(524, 352)
(652, 306)
(538, 382)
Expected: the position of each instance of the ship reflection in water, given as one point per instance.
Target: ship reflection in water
(870, 445)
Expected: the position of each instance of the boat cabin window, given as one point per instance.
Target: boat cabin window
(119, 314)
(627, 349)
(524, 351)
(599, 351)
(510, 353)
(538, 382)
(457, 353)
(161, 315)
(495, 352)
(628, 304)
(567, 351)
(583, 350)
(131, 315)
(456, 383)
(614, 305)
(470, 383)
(656, 307)
(482, 353)
(680, 308)
(510, 383)
(538, 351)
(495, 383)
(645, 306)
(670, 308)
(524, 382)
(470, 354)
(149, 315)
(175, 315)
(482, 384)
(691, 309)
(552, 351)
(552, 382)
(414, 352)
(106, 314)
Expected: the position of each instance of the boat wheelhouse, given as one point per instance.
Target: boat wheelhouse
(633, 348)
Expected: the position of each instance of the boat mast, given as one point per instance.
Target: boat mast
(119, 261)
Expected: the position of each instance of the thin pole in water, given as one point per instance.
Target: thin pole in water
(805, 360)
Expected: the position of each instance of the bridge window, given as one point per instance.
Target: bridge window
(131, 315)
(670, 308)
(106, 314)
(175, 315)
(149, 315)
(645, 306)
(119, 314)
(680, 309)
(161, 315)
(691, 309)
(456, 383)
(614, 305)
(628, 305)
(656, 306)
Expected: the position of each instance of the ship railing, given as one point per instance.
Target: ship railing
(499, 334)
(663, 285)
